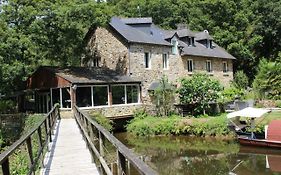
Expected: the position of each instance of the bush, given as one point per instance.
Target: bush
(163, 97)
(102, 120)
(199, 91)
(267, 83)
(147, 125)
(7, 106)
(232, 93)
(278, 103)
(240, 80)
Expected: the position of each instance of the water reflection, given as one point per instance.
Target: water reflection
(190, 155)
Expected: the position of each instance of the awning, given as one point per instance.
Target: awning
(248, 112)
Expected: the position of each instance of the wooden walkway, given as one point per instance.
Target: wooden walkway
(68, 152)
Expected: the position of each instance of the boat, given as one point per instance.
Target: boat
(272, 136)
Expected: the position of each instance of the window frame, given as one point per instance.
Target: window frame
(207, 66)
(126, 97)
(225, 67)
(174, 43)
(192, 65)
(165, 61)
(147, 66)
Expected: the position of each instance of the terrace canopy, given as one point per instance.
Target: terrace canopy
(249, 112)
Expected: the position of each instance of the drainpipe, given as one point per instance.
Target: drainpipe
(129, 49)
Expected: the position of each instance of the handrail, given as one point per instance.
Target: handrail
(123, 153)
(49, 123)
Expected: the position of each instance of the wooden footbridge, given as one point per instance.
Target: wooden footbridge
(71, 146)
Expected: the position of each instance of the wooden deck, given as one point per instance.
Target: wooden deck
(68, 152)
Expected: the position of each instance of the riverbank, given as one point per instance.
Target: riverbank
(147, 125)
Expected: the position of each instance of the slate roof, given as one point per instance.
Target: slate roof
(85, 75)
(142, 30)
(132, 34)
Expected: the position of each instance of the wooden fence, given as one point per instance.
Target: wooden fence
(44, 137)
(92, 132)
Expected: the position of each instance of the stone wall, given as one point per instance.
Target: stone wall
(177, 67)
(111, 51)
(114, 54)
(116, 111)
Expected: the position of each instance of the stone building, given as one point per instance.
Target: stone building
(138, 48)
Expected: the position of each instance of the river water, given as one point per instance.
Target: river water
(183, 155)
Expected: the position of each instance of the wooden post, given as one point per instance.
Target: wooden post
(29, 149)
(101, 138)
(72, 97)
(49, 129)
(121, 163)
(109, 95)
(6, 167)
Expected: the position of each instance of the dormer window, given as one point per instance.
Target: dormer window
(190, 41)
(209, 43)
(174, 43)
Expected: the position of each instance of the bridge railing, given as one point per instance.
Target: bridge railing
(44, 135)
(92, 131)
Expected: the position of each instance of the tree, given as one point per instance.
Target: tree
(163, 97)
(240, 80)
(199, 91)
(268, 80)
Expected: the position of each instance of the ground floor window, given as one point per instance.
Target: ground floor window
(118, 94)
(224, 67)
(100, 95)
(61, 96)
(132, 93)
(83, 97)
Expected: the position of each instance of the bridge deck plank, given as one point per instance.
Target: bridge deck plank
(69, 154)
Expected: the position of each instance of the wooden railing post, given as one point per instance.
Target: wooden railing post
(29, 149)
(121, 163)
(101, 138)
(49, 129)
(6, 167)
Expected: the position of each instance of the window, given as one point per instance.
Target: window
(55, 96)
(100, 95)
(132, 93)
(190, 41)
(224, 67)
(190, 65)
(83, 96)
(66, 102)
(165, 61)
(95, 62)
(118, 94)
(147, 60)
(175, 46)
(209, 66)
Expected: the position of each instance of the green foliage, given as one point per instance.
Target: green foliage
(35, 33)
(278, 103)
(7, 106)
(146, 125)
(163, 97)
(231, 93)
(267, 83)
(102, 120)
(240, 80)
(200, 89)
(1, 140)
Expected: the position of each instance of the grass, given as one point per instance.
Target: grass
(261, 122)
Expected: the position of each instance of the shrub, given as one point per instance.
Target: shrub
(267, 83)
(278, 103)
(7, 106)
(102, 120)
(199, 91)
(240, 80)
(163, 97)
(231, 93)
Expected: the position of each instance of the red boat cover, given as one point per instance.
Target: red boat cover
(274, 130)
(274, 163)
